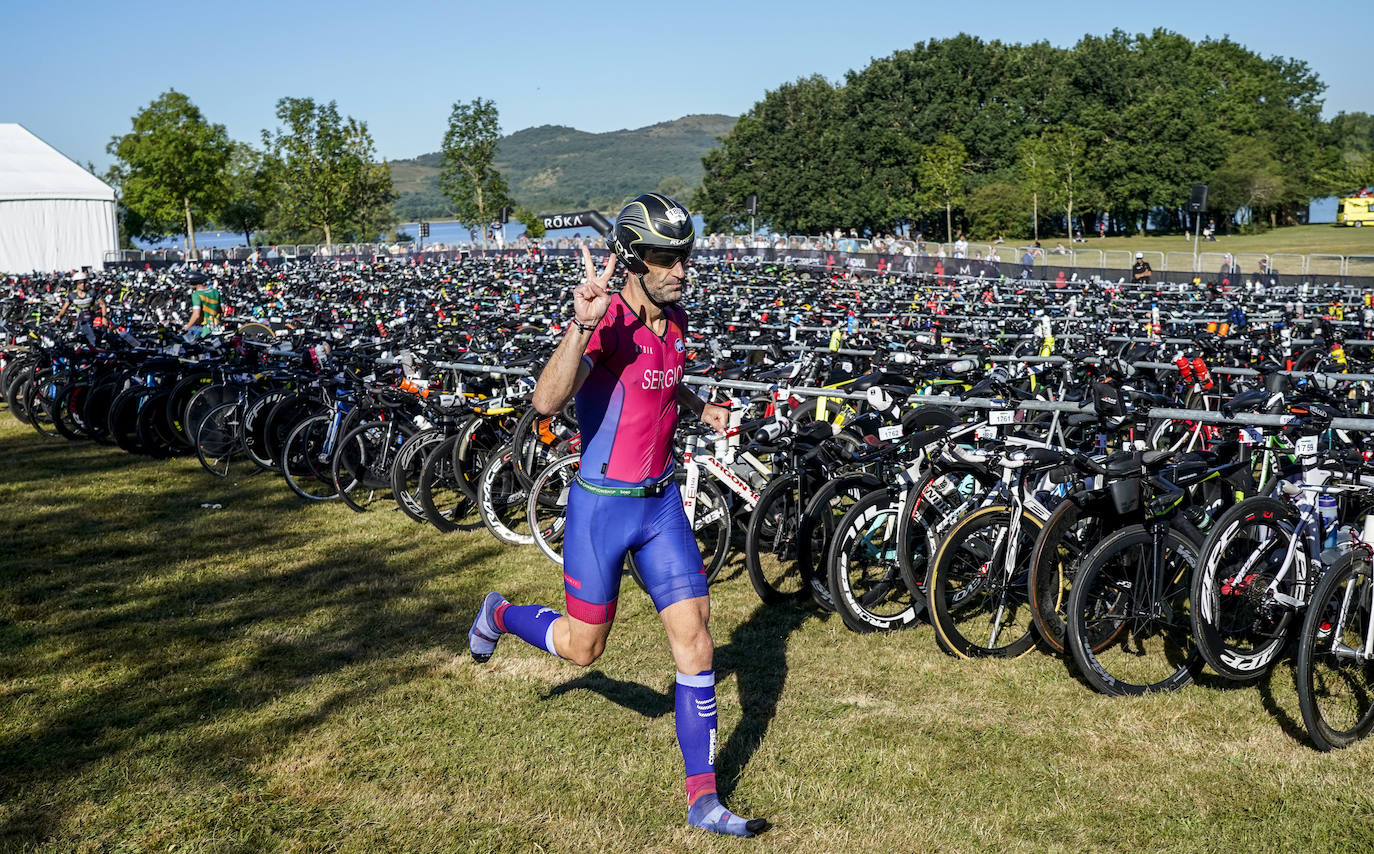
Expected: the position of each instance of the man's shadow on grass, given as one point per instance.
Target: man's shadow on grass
(756, 653)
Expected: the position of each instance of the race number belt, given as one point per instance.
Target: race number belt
(649, 491)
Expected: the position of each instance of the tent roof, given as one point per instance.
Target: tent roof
(32, 169)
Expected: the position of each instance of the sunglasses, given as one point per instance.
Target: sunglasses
(665, 258)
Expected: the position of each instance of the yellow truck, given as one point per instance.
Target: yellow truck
(1355, 210)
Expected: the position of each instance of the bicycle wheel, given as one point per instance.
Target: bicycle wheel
(480, 438)
(255, 429)
(1240, 628)
(548, 505)
(40, 395)
(154, 432)
(307, 458)
(978, 603)
(501, 500)
(121, 424)
(770, 542)
(822, 516)
(282, 419)
(865, 580)
(445, 506)
(933, 505)
(406, 471)
(361, 467)
(67, 408)
(95, 411)
(1130, 627)
(205, 399)
(539, 440)
(219, 439)
(1335, 679)
(711, 525)
(182, 391)
(1072, 531)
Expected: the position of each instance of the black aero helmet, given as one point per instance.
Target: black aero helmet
(651, 222)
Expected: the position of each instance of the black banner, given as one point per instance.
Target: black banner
(579, 219)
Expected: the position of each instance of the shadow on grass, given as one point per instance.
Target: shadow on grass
(133, 619)
(756, 654)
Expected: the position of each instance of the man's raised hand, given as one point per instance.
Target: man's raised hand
(591, 298)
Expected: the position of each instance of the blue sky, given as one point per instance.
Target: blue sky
(76, 71)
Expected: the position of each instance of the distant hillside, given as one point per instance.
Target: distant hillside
(551, 169)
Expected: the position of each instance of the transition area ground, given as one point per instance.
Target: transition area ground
(272, 676)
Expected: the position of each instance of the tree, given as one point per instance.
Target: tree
(468, 177)
(1036, 175)
(322, 173)
(1064, 152)
(941, 177)
(170, 168)
(248, 187)
(998, 208)
(534, 224)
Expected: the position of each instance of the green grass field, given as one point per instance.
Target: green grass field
(272, 676)
(1295, 240)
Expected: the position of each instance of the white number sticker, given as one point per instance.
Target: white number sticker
(890, 432)
(1307, 446)
(985, 433)
(1001, 416)
(1249, 436)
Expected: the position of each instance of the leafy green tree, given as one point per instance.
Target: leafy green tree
(998, 208)
(1065, 160)
(1036, 175)
(323, 176)
(787, 151)
(534, 224)
(170, 168)
(941, 177)
(247, 201)
(469, 178)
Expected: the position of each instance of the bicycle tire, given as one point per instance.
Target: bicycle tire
(547, 505)
(307, 459)
(820, 518)
(1144, 652)
(501, 500)
(361, 466)
(407, 469)
(1071, 531)
(445, 505)
(219, 439)
(864, 578)
(770, 542)
(1240, 631)
(1335, 686)
(980, 609)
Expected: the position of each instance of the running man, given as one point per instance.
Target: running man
(622, 358)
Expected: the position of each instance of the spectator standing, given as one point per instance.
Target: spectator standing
(1141, 272)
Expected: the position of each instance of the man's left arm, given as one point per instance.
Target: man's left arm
(716, 416)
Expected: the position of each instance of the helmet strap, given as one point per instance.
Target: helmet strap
(639, 278)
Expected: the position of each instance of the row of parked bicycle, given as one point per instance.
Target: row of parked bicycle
(1084, 473)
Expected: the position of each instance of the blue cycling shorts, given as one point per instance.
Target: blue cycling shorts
(601, 529)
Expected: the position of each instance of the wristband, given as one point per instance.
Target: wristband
(583, 326)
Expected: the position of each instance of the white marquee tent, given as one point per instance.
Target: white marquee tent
(54, 215)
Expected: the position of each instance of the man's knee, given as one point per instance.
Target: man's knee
(584, 651)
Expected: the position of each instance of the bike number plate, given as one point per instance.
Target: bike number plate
(985, 433)
(1307, 446)
(1249, 436)
(1001, 416)
(890, 432)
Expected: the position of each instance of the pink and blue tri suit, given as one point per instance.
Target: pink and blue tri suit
(626, 412)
